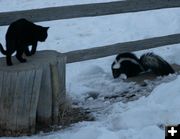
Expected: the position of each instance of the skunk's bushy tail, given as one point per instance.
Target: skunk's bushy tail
(155, 63)
(2, 49)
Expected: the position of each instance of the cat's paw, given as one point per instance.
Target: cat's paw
(23, 60)
(9, 64)
(28, 54)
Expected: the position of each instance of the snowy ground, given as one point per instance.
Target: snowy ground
(143, 118)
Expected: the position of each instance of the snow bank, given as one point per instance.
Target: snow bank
(144, 118)
(148, 115)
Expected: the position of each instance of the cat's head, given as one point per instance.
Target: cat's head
(43, 34)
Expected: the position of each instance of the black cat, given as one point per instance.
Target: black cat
(21, 34)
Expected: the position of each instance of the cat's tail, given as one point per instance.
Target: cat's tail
(2, 50)
(156, 64)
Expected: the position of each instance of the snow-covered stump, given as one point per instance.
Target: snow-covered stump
(31, 93)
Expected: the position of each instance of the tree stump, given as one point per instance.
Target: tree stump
(31, 93)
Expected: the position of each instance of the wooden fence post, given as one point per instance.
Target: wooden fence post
(19, 94)
(58, 73)
(31, 93)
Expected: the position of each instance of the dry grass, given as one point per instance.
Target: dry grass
(68, 115)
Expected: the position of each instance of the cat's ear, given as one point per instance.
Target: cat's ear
(46, 28)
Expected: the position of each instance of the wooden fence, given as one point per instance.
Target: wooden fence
(89, 10)
(99, 52)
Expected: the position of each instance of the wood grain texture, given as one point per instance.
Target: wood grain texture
(29, 93)
(18, 100)
(87, 10)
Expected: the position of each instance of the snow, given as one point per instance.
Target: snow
(90, 83)
(82, 33)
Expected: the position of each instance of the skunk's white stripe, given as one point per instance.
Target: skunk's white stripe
(117, 64)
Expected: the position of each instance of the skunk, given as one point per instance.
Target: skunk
(130, 65)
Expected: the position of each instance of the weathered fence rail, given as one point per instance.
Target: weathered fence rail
(99, 52)
(87, 10)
